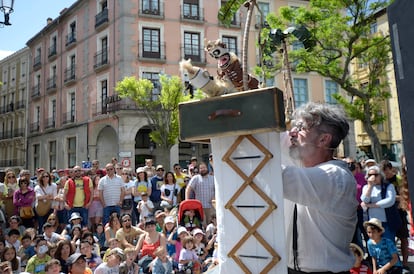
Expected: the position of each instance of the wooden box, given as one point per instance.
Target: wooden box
(241, 113)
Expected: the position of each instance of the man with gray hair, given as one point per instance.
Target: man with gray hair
(321, 193)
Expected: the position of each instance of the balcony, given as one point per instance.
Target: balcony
(100, 60)
(12, 162)
(151, 56)
(101, 19)
(112, 104)
(10, 107)
(8, 134)
(34, 127)
(70, 75)
(50, 123)
(196, 54)
(20, 104)
(52, 52)
(70, 39)
(155, 12)
(193, 17)
(35, 91)
(37, 62)
(51, 84)
(68, 118)
(18, 132)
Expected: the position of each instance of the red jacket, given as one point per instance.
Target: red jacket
(70, 196)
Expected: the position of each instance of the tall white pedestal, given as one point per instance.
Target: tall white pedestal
(249, 204)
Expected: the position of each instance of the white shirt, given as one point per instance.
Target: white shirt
(50, 189)
(326, 201)
(376, 198)
(111, 189)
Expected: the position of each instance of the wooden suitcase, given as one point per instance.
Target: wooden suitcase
(241, 113)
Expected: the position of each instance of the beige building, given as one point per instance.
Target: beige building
(389, 132)
(74, 114)
(14, 76)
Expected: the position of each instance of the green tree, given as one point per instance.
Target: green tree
(161, 112)
(343, 36)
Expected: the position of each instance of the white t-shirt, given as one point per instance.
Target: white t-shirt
(170, 191)
(130, 184)
(145, 212)
(111, 189)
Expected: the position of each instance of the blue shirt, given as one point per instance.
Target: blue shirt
(382, 252)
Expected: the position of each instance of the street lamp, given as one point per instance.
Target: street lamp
(278, 37)
(6, 7)
(151, 147)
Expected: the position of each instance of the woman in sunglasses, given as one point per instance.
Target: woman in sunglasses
(10, 186)
(23, 200)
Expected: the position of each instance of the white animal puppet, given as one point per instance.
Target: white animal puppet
(201, 78)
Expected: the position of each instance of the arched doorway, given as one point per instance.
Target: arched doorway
(107, 145)
(143, 147)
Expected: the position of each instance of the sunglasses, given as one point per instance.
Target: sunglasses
(9, 177)
(375, 174)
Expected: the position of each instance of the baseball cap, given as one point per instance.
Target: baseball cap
(159, 167)
(74, 257)
(169, 219)
(117, 251)
(197, 231)
(181, 229)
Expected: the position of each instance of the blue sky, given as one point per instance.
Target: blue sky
(28, 18)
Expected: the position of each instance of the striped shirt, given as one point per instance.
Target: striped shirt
(111, 189)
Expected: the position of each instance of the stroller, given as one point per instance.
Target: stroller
(184, 220)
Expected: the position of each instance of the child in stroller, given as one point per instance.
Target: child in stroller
(190, 214)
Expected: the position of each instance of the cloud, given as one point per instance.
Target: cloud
(5, 53)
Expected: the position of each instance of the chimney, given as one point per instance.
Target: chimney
(48, 21)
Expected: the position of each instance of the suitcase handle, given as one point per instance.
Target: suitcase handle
(224, 112)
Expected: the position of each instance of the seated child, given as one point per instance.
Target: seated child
(113, 243)
(188, 259)
(129, 266)
(161, 263)
(359, 267)
(382, 250)
(26, 250)
(191, 220)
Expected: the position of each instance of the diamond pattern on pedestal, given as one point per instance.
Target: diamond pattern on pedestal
(252, 230)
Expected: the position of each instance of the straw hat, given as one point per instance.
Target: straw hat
(375, 222)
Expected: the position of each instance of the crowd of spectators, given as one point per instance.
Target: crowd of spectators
(109, 219)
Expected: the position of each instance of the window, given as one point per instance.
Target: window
(154, 77)
(330, 88)
(231, 43)
(151, 6)
(192, 46)
(72, 107)
(53, 112)
(373, 28)
(53, 46)
(151, 43)
(52, 155)
(71, 36)
(103, 5)
(380, 126)
(300, 91)
(191, 9)
(104, 95)
(36, 156)
(264, 7)
(71, 151)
